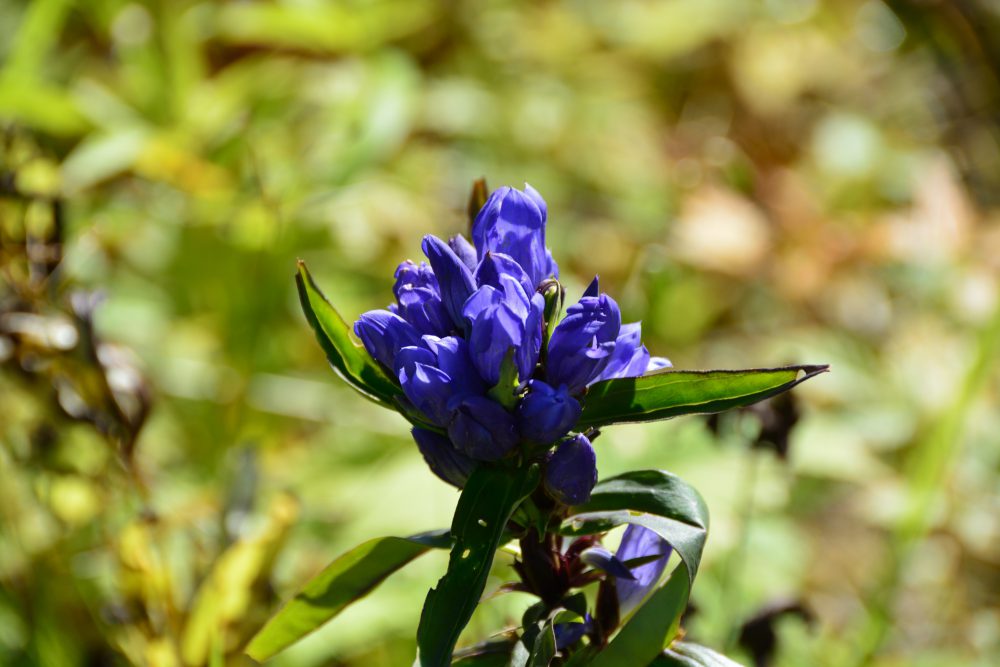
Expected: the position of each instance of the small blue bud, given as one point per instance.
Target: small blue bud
(444, 460)
(454, 278)
(419, 299)
(571, 471)
(482, 429)
(427, 387)
(546, 414)
(384, 333)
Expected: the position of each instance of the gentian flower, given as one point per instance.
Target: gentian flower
(571, 471)
(546, 414)
(384, 333)
(419, 299)
(513, 223)
(582, 345)
(474, 316)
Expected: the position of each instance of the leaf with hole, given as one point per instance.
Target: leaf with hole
(489, 498)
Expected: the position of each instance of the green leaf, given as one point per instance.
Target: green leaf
(544, 649)
(652, 627)
(655, 499)
(684, 654)
(486, 504)
(349, 358)
(347, 579)
(667, 394)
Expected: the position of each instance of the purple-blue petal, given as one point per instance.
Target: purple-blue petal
(481, 428)
(444, 460)
(546, 414)
(571, 471)
(384, 333)
(454, 278)
(638, 542)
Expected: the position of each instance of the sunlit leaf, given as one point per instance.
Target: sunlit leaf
(349, 358)
(344, 581)
(486, 504)
(667, 394)
(655, 499)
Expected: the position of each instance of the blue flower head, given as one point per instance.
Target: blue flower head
(465, 342)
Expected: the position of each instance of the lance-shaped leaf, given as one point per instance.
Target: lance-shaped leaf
(655, 499)
(347, 579)
(489, 498)
(347, 357)
(652, 627)
(670, 393)
(685, 654)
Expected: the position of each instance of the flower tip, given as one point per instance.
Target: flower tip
(594, 289)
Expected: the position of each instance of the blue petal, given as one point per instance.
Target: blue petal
(582, 343)
(604, 560)
(383, 334)
(571, 471)
(482, 429)
(427, 387)
(513, 223)
(464, 251)
(638, 542)
(444, 460)
(454, 277)
(630, 357)
(546, 414)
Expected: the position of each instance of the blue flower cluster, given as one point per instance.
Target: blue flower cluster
(473, 343)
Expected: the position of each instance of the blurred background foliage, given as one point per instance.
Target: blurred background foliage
(759, 182)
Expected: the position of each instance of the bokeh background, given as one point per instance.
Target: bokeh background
(760, 182)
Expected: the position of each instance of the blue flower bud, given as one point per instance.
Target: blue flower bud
(546, 414)
(464, 250)
(502, 319)
(384, 334)
(638, 542)
(444, 460)
(513, 223)
(419, 298)
(630, 357)
(582, 343)
(495, 265)
(454, 278)
(481, 428)
(427, 387)
(571, 471)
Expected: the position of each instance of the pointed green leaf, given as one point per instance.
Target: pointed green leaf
(655, 499)
(667, 394)
(544, 649)
(347, 357)
(347, 579)
(652, 627)
(685, 654)
(486, 504)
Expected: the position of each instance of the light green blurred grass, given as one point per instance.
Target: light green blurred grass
(758, 182)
